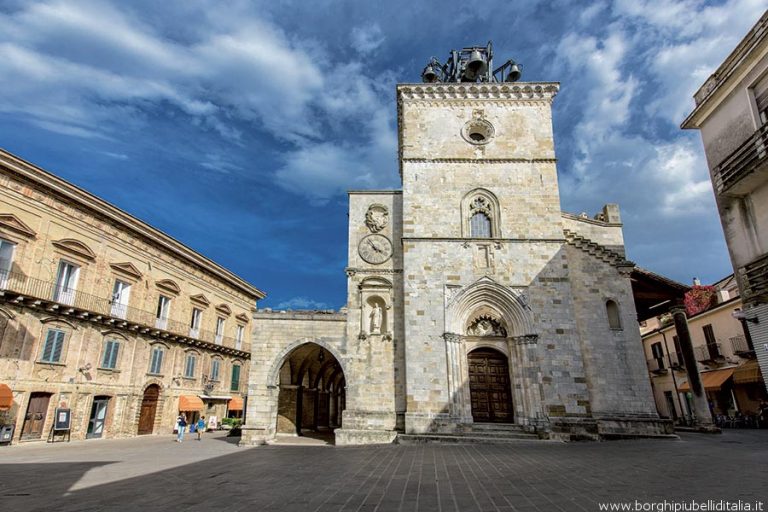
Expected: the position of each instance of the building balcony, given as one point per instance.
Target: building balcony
(676, 362)
(741, 347)
(26, 291)
(657, 366)
(754, 279)
(711, 353)
(745, 168)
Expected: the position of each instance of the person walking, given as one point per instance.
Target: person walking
(200, 427)
(181, 424)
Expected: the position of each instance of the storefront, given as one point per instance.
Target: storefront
(748, 387)
(235, 407)
(192, 407)
(215, 409)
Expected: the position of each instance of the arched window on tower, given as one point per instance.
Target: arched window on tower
(614, 318)
(480, 214)
(480, 225)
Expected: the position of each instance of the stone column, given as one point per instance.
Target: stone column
(458, 386)
(702, 416)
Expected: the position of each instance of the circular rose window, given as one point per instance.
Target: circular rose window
(478, 131)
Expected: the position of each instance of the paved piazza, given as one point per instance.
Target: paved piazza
(155, 473)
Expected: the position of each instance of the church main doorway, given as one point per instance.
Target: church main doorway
(489, 386)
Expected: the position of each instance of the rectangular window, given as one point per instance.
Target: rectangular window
(235, 378)
(156, 365)
(678, 351)
(189, 366)
(194, 324)
(6, 260)
(239, 337)
(120, 294)
(709, 336)
(658, 354)
(219, 330)
(215, 366)
(54, 344)
(163, 308)
(66, 283)
(109, 359)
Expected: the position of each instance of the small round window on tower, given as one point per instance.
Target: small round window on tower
(478, 131)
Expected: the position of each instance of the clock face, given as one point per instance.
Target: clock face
(375, 249)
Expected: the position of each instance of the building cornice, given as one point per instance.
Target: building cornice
(40, 177)
(525, 91)
(480, 160)
(729, 74)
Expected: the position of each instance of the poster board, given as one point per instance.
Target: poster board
(62, 419)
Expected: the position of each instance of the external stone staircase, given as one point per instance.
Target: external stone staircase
(598, 251)
(481, 433)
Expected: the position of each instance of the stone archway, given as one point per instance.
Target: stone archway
(311, 391)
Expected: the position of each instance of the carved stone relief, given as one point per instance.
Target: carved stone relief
(377, 217)
(486, 325)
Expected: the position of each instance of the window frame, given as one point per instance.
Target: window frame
(63, 293)
(61, 346)
(6, 272)
(215, 364)
(219, 332)
(239, 334)
(156, 348)
(610, 304)
(114, 354)
(234, 384)
(190, 356)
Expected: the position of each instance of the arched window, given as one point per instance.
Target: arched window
(614, 317)
(480, 215)
(480, 226)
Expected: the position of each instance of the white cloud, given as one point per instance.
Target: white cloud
(367, 39)
(302, 303)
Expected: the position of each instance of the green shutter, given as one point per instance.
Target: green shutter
(58, 346)
(50, 341)
(113, 356)
(235, 378)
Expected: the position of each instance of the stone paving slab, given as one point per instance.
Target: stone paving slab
(154, 473)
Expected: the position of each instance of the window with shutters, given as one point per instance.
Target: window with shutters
(658, 354)
(760, 91)
(235, 385)
(712, 346)
(109, 357)
(156, 361)
(163, 310)
(215, 369)
(189, 366)
(194, 324)
(678, 351)
(53, 346)
(6, 261)
(239, 337)
(614, 316)
(219, 330)
(66, 283)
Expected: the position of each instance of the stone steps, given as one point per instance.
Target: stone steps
(470, 438)
(481, 433)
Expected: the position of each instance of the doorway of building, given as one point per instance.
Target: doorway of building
(34, 420)
(98, 417)
(312, 393)
(148, 409)
(489, 386)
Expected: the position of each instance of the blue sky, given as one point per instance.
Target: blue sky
(238, 129)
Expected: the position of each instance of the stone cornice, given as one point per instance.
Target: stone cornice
(587, 220)
(10, 163)
(480, 160)
(525, 91)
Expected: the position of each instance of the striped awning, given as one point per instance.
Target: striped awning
(190, 403)
(710, 380)
(236, 404)
(747, 373)
(6, 397)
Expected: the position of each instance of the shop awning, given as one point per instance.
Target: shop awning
(190, 403)
(236, 404)
(710, 380)
(6, 397)
(215, 397)
(747, 373)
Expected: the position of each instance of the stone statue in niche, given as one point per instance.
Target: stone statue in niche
(375, 316)
(486, 326)
(377, 217)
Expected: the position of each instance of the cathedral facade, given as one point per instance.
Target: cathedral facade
(472, 298)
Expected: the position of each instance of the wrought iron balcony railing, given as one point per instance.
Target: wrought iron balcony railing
(709, 353)
(754, 278)
(741, 347)
(741, 163)
(20, 288)
(657, 365)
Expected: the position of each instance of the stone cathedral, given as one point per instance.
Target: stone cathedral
(473, 300)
